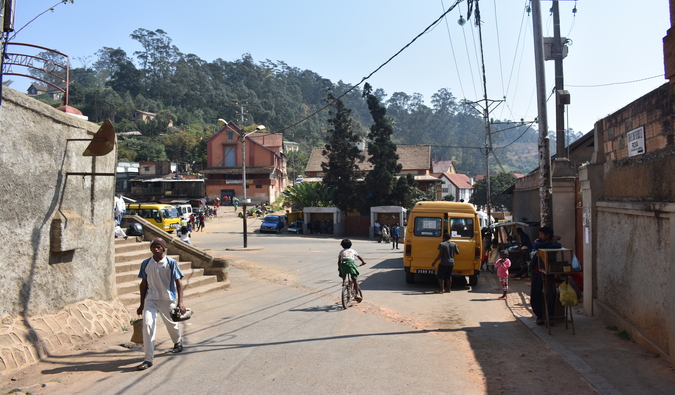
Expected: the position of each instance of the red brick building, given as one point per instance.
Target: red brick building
(265, 165)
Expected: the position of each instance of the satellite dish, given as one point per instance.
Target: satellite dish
(103, 142)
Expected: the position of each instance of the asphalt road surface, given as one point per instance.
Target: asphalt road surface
(280, 328)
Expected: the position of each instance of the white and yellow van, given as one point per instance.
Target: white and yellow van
(427, 223)
(163, 216)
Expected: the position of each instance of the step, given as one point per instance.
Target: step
(192, 276)
(132, 300)
(135, 265)
(131, 273)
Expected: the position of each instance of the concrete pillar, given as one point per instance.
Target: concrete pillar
(590, 180)
(564, 193)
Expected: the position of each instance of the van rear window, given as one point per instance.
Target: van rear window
(428, 226)
(461, 227)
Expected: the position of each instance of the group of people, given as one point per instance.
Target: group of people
(387, 233)
(532, 267)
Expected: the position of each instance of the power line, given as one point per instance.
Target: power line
(425, 31)
(452, 49)
(615, 83)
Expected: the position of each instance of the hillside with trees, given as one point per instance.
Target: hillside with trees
(190, 94)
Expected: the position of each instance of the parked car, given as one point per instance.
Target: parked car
(296, 227)
(272, 223)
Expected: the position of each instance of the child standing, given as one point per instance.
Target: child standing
(503, 264)
(346, 266)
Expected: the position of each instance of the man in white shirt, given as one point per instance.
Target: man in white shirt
(119, 208)
(161, 290)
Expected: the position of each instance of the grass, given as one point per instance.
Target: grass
(623, 335)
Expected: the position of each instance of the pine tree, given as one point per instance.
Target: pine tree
(342, 153)
(382, 187)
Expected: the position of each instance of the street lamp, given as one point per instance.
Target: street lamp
(243, 136)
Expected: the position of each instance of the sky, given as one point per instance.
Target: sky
(348, 40)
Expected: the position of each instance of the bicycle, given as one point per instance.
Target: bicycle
(349, 291)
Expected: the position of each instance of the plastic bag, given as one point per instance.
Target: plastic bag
(576, 265)
(137, 334)
(568, 297)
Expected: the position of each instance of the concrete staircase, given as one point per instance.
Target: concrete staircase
(128, 257)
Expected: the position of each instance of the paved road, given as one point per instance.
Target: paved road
(280, 329)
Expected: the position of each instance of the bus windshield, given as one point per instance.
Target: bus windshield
(170, 213)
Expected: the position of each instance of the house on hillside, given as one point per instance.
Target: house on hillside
(265, 166)
(458, 185)
(415, 159)
(54, 93)
(144, 116)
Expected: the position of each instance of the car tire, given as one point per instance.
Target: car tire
(410, 278)
(473, 280)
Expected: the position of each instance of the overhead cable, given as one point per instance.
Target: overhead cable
(434, 23)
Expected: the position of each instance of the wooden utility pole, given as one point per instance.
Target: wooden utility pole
(545, 195)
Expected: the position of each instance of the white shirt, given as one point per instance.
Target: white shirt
(159, 279)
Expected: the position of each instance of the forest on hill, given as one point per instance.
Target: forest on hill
(191, 94)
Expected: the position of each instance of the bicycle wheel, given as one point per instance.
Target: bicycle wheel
(346, 295)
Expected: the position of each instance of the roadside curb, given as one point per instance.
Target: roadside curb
(518, 303)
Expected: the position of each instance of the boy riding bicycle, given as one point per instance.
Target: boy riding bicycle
(346, 266)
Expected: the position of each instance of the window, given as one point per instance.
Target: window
(258, 186)
(428, 226)
(230, 156)
(444, 190)
(461, 228)
(230, 135)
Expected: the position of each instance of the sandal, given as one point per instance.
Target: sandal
(438, 292)
(178, 347)
(358, 298)
(145, 365)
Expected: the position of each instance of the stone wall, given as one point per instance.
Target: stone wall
(57, 226)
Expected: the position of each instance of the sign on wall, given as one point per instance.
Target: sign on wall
(636, 141)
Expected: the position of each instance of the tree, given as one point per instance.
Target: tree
(342, 153)
(498, 184)
(309, 194)
(380, 181)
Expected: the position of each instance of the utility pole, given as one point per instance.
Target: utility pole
(562, 166)
(545, 193)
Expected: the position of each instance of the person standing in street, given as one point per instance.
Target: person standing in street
(546, 240)
(377, 231)
(119, 209)
(395, 234)
(161, 290)
(446, 254)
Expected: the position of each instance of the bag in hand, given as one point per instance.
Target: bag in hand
(137, 335)
(176, 316)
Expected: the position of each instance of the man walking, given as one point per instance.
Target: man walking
(161, 290)
(446, 254)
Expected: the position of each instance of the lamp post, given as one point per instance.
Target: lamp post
(243, 136)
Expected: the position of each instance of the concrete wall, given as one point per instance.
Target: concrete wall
(57, 227)
(628, 214)
(631, 225)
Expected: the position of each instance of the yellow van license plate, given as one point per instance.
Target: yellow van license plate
(425, 271)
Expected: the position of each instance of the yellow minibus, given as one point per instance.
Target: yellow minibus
(163, 216)
(427, 223)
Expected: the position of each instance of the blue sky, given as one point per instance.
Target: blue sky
(349, 39)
